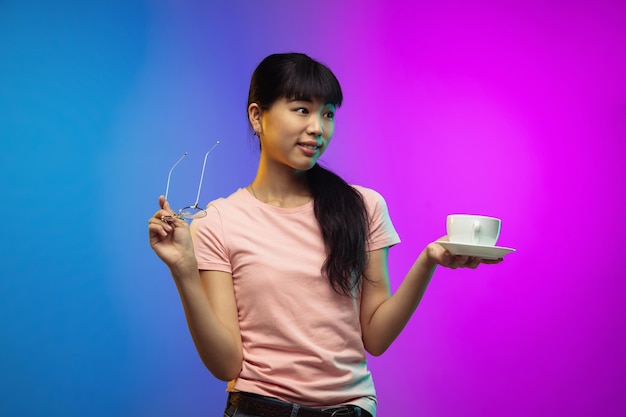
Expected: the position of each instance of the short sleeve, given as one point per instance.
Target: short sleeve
(209, 242)
(382, 232)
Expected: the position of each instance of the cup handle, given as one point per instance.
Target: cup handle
(475, 230)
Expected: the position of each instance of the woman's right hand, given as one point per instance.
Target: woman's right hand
(170, 238)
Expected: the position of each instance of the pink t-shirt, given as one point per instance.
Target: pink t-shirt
(301, 340)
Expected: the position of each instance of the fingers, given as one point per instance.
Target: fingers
(491, 261)
(462, 261)
(169, 218)
(455, 261)
(443, 257)
(158, 227)
(165, 214)
(164, 221)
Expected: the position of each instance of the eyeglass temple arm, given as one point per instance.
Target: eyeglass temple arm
(202, 174)
(169, 176)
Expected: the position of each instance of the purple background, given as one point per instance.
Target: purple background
(496, 108)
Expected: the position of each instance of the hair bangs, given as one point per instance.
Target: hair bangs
(308, 79)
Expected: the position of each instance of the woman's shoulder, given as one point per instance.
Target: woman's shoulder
(237, 198)
(369, 194)
(223, 210)
(374, 201)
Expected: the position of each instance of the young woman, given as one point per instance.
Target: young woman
(285, 282)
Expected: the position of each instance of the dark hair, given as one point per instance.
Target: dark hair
(339, 208)
(292, 75)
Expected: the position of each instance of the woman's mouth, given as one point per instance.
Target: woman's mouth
(308, 149)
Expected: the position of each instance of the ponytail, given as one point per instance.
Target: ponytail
(339, 208)
(342, 215)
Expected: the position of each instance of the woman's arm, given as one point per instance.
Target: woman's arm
(207, 296)
(383, 316)
(209, 302)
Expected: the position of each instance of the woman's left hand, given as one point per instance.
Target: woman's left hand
(441, 256)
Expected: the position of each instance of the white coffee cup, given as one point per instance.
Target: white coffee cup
(472, 229)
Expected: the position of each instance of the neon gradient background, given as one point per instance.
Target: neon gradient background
(501, 108)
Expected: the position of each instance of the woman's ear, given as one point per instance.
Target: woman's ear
(254, 116)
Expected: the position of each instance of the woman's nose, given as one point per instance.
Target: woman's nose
(316, 126)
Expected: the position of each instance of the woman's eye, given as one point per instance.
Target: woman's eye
(330, 115)
(302, 110)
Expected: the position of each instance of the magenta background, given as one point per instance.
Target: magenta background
(496, 108)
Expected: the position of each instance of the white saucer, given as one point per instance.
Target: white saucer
(481, 251)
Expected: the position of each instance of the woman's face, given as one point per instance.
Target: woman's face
(295, 132)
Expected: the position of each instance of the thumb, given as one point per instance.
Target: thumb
(164, 204)
(447, 259)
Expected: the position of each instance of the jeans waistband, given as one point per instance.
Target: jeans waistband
(261, 406)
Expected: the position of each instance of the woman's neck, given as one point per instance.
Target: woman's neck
(282, 189)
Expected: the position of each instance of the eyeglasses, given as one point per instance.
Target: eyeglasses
(192, 211)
